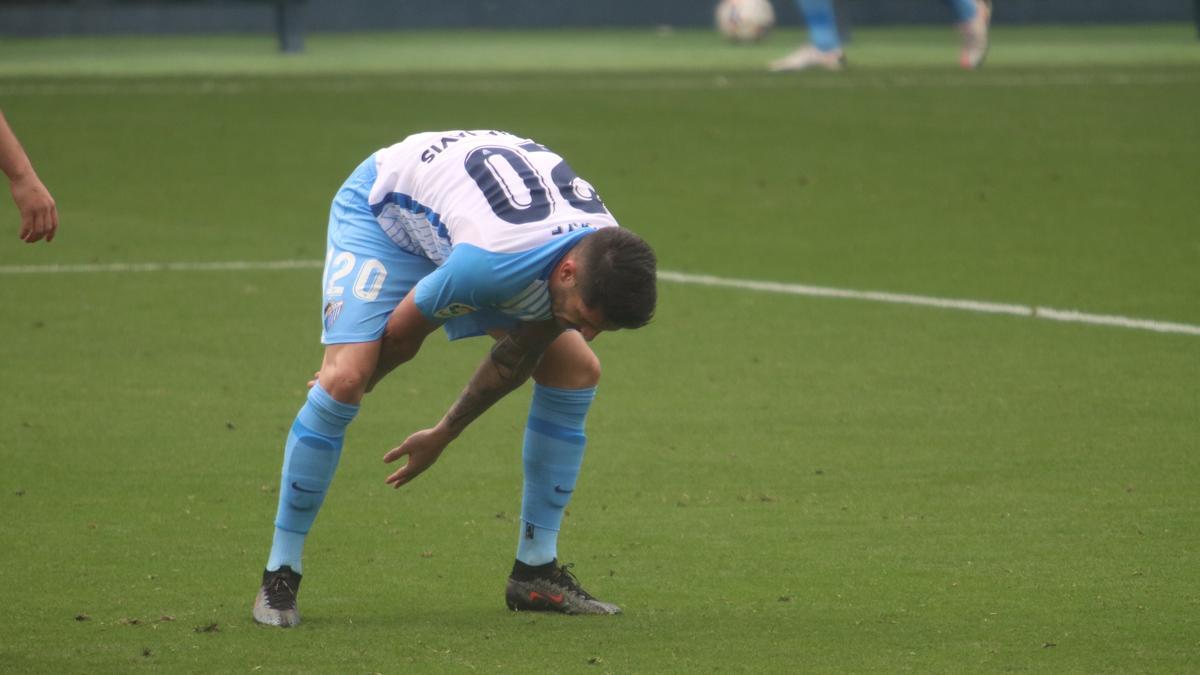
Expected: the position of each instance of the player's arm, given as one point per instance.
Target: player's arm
(406, 330)
(39, 216)
(509, 363)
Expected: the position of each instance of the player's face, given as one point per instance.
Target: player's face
(571, 312)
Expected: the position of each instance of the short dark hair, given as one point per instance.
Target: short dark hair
(619, 274)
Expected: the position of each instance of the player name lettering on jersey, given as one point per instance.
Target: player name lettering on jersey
(568, 228)
(444, 142)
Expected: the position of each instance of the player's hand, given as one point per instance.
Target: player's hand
(39, 216)
(422, 448)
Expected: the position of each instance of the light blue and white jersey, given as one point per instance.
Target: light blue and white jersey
(495, 212)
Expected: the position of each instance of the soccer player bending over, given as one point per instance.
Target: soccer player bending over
(479, 232)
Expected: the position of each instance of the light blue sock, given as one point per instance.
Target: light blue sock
(553, 453)
(309, 459)
(965, 9)
(822, 24)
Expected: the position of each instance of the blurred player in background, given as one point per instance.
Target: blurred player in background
(39, 216)
(825, 50)
(479, 232)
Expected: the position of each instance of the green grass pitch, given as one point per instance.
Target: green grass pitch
(773, 483)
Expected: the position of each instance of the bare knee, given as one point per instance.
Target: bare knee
(347, 370)
(587, 371)
(343, 384)
(581, 372)
(569, 363)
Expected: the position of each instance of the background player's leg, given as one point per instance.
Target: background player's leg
(825, 48)
(965, 9)
(822, 24)
(974, 17)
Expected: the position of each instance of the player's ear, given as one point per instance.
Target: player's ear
(567, 271)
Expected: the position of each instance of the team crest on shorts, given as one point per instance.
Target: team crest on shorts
(332, 311)
(452, 310)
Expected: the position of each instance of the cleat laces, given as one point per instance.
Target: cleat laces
(567, 579)
(280, 594)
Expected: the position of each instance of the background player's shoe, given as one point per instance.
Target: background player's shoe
(275, 604)
(554, 589)
(975, 36)
(807, 58)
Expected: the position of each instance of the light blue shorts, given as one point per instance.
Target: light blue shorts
(367, 274)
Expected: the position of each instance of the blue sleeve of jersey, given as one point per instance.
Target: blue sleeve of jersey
(465, 283)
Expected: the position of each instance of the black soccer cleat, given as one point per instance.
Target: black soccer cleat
(275, 604)
(552, 588)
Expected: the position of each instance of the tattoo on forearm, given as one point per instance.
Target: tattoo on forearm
(509, 364)
(464, 411)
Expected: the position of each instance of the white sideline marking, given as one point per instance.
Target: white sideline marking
(236, 266)
(826, 292)
(977, 306)
(1049, 313)
(1070, 315)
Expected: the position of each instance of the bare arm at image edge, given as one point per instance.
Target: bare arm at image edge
(39, 217)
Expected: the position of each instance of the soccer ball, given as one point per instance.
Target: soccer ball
(745, 20)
